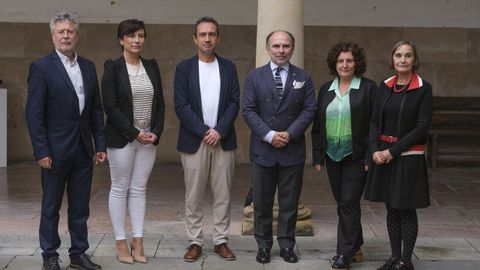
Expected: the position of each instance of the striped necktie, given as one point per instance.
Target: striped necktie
(278, 82)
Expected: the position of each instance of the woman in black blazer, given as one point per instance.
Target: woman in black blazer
(133, 102)
(398, 135)
(340, 140)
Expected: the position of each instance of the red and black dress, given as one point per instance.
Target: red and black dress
(400, 123)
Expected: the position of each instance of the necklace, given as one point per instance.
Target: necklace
(135, 69)
(394, 87)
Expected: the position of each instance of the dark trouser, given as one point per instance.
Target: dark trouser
(265, 181)
(76, 175)
(347, 179)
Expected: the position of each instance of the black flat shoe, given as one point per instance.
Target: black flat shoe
(288, 255)
(388, 265)
(341, 263)
(263, 255)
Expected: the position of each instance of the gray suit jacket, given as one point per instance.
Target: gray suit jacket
(264, 111)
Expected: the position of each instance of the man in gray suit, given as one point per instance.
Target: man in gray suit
(278, 106)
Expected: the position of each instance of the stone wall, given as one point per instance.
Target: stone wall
(450, 60)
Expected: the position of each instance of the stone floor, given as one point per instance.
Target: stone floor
(449, 236)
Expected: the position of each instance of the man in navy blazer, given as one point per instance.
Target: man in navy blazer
(206, 97)
(64, 115)
(278, 106)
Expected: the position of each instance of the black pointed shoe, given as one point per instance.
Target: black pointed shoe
(263, 255)
(340, 263)
(288, 255)
(82, 262)
(50, 263)
(388, 265)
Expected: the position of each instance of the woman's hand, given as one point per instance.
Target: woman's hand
(386, 156)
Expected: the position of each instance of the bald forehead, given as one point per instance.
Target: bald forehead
(281, 37)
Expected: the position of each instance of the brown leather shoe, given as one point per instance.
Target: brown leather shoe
(224, 252)
(193, 253)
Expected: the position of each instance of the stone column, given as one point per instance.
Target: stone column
(284, 15)
(3, 127)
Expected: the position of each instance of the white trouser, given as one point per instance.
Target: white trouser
(218, 166)
(130, 168)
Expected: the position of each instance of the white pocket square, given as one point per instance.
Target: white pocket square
(297, 85)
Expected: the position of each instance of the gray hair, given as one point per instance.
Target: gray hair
(64, 16)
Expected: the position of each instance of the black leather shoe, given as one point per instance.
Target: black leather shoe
(288, 255)
(263, 255)
(388, 265)
(402, 266)
(341, 263)
(83, 262)
(50, 263)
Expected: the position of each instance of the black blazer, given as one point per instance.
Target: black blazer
(414, 119)
(361, 107)
(118, 106)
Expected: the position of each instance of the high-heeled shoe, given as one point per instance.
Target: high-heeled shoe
(137, 250)
(123, 255)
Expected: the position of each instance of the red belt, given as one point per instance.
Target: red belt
(415, 149)
(389, 139)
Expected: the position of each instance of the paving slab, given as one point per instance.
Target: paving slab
(93, 240)
(448, 265)
(107, 246)
(5, 260)
(279, 264)
(456, 249)
(31, 263)
(18, 244)
(172, 246)
(316, 248)
(109, 263)
(475, 242)
(241, 263)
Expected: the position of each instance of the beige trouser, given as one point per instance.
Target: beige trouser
(218, 166)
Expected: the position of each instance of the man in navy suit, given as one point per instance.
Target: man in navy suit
(64, 115)
(278, 106)
(206, 97)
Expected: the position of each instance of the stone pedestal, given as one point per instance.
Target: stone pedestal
(3, 127)
(304, 221)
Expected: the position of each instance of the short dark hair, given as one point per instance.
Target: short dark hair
(358, 56)
(416, 60)
(206, 19)
(130, 26)
(284, 31)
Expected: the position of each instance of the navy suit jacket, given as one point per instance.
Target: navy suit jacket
(118, 104)
(188, 105)
(264, 111)
(54, 121)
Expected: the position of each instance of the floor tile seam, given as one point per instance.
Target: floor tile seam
(471, 244)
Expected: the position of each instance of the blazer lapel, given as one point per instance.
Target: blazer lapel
(124, 79)
(63, 72)
(196, 84)
(270, 81)
(291, 77)
(223, 78)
